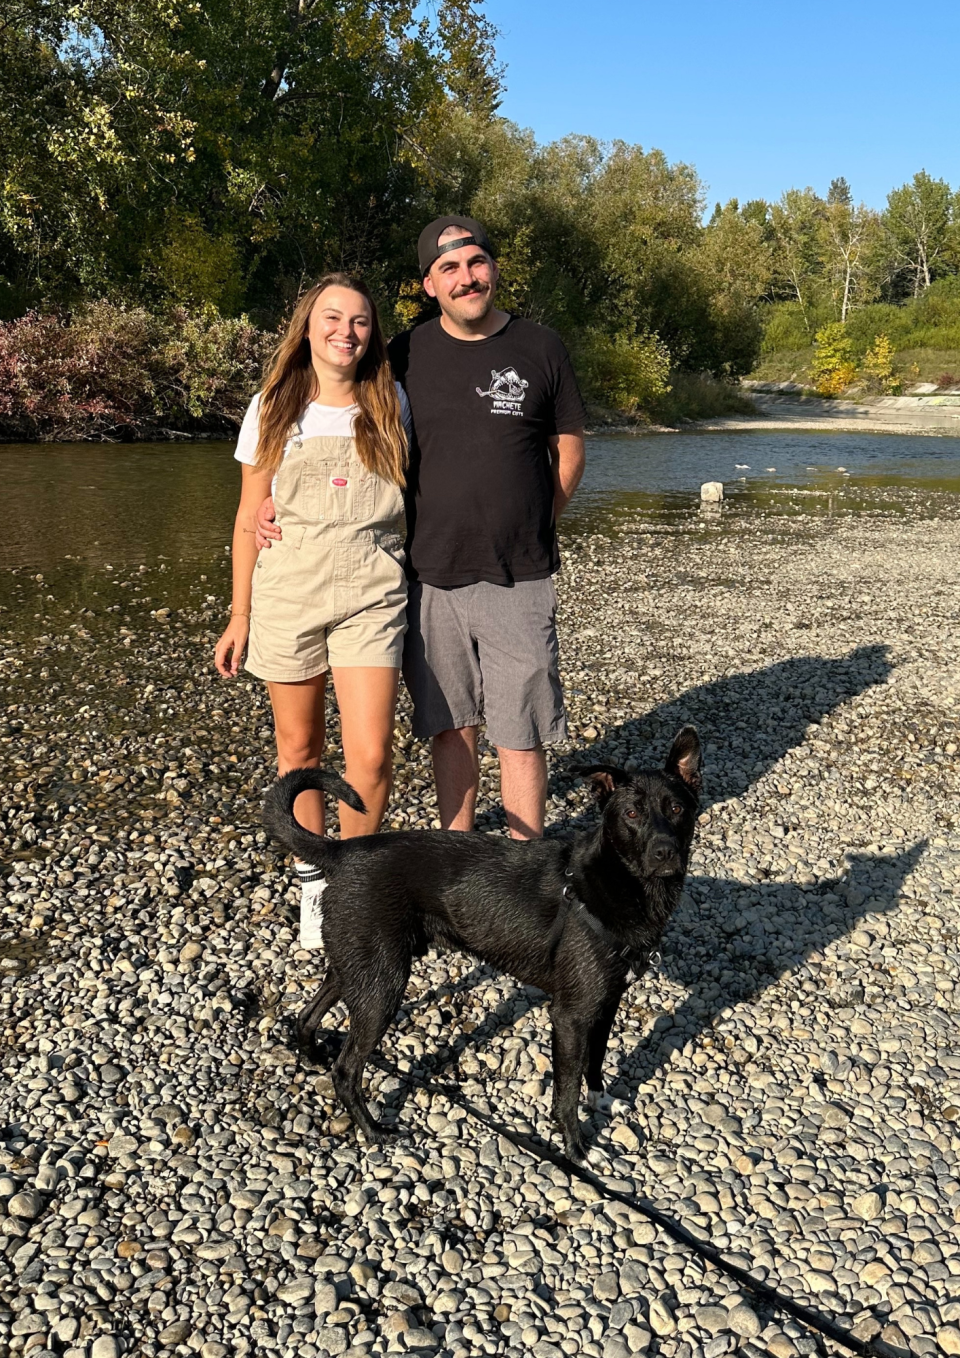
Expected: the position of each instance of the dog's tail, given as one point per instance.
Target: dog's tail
(280, 821)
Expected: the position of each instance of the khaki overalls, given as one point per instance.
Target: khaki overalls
(333, 591)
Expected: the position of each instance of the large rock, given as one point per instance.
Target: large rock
(868, 1206)
(661, 1318)
(27, 1205)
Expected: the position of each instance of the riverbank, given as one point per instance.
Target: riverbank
(786, 1084)
(884, 415)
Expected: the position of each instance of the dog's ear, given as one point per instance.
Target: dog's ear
(604, 779)
(685, 760)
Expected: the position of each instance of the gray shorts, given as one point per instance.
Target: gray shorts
(485, 652)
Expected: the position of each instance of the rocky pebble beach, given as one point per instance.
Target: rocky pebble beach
(175, 1179)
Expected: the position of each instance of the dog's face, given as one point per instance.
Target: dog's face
(650, 816)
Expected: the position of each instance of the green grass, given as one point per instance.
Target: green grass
(784, 365)
(911, 365)
(694, 396)
(926, 365)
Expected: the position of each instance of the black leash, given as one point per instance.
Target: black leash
(804, 1314)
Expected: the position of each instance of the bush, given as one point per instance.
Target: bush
(787, 326)
(627, 372)
(832, 368)
(112, 373)
(931, 321)
(699, 396)
(878, 367)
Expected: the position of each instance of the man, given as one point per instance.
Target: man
(497, 453)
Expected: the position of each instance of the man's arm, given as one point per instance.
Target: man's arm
(568, 458)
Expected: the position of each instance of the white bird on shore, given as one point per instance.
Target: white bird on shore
(769, 469)
(841, 469)
(742, 466)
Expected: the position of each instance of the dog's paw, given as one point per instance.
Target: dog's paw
(599, 1102)
(582, 1154)
(379, 1132)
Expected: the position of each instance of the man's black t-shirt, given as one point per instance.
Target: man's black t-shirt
(480, 487)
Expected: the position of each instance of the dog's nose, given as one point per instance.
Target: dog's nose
(663, 857)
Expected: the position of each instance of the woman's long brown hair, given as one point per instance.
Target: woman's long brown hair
(291, 384)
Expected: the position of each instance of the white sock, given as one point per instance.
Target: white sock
(312, 886)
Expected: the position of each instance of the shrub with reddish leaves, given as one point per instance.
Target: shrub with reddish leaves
(107, 372)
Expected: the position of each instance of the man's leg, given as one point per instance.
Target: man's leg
(523, 701)
(442, 673)
(456, 772)
(523, 787)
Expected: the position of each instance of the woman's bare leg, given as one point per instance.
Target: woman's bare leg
(298, 716)
(367, 696)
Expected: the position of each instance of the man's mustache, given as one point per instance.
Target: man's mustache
(473, 290)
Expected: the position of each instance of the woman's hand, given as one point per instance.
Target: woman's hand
(231, 646)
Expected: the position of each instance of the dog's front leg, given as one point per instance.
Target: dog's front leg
(569, 1058)
(597, 1039)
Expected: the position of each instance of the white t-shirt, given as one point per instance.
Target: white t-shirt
(315, 422)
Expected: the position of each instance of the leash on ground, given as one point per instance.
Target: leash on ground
(709, 1253)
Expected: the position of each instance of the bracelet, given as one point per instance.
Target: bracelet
(239, 615)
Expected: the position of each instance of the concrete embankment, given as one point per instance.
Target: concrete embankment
(788, 406)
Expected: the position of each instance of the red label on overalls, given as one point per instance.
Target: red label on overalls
(339, 481)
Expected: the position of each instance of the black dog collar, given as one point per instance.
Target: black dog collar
(638, 961)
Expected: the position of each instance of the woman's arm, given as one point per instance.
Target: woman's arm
(253, 488)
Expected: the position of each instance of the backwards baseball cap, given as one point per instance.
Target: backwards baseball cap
(429, 248)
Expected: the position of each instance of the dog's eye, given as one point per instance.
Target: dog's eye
(677, 809)
(632, 815)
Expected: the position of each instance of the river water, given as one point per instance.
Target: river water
(85, 513)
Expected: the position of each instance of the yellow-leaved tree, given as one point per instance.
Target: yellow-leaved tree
(832, 367)
(878, 366)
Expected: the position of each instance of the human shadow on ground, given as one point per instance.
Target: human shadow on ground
(727, 943)
(730, 941)
(747, 723)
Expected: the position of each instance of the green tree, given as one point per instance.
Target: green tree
(918, 223)
(736, 254)
(850, 249)
(281, 128)
(473, 75)
(797, 263)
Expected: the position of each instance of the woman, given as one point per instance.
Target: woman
(328, 436)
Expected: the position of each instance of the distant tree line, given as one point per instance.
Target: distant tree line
(210, 159)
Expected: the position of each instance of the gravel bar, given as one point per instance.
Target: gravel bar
(176, 1180)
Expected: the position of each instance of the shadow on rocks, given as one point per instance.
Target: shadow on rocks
(729, 941)
(747, 722)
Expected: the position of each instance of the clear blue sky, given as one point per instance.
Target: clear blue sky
(759, 97)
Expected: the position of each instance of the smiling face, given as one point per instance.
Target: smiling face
(339, 330)
(463, 281)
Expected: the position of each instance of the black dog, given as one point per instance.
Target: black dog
(577, 919)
